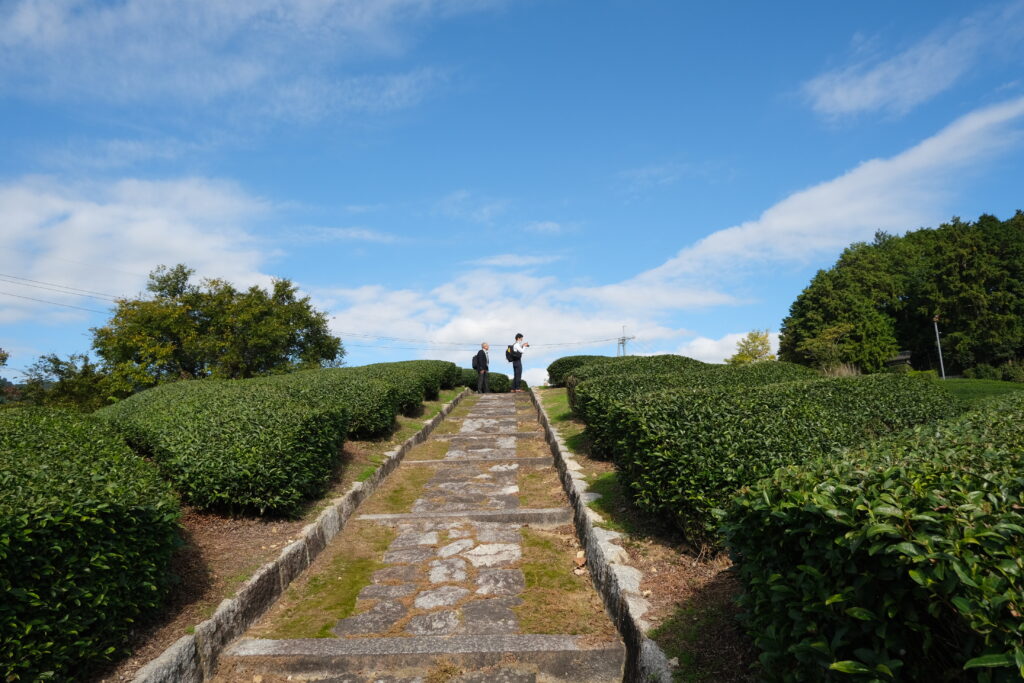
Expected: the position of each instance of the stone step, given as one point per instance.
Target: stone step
(520, 435)
(539, 516)
(493, 459)
(511, 658)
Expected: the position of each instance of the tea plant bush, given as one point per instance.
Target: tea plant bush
(683, 453)
(87, 530)
(497, 383)
(235, 444)
(371, 402)
(593, 400)
(559, 370)
(900, 560)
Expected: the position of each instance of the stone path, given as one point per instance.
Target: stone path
(442, 605)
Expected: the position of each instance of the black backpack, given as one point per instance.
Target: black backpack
(475, 364)
(512, 356)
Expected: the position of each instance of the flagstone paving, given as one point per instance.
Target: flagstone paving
(440, 602)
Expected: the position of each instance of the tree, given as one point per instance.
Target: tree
(212, 329)
(75, 383)
(969, 274)
(753, 348)
(3, 357)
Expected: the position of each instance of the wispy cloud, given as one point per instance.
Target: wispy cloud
(546, 227)
(516, 260)
(105, 237)
(902, 81)
(465, 205)
(904, 191)
(354, 234)
(717, 350)
(274, 57)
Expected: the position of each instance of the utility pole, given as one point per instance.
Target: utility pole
(938, 343)
(620, 350)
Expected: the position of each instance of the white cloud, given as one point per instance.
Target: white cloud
(278, 56)
(464, 205)
(921, 71)
(894, 194)
(354, 234)
(107, 237)
(515, 260)
(717, 350)
(546, 227)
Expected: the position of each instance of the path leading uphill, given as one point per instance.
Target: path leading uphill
(461, 568)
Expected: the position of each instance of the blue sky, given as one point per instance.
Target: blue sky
(441, 172)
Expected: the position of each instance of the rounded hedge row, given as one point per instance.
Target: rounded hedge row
(371, 402)
(496, 382)
(87, 530)
(235, 445)
(901, 560)
(560, 369)
(592, 399)
(684, 453)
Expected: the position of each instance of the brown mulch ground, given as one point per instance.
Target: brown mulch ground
(218, 555)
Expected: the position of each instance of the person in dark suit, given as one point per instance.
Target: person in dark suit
(481, 363)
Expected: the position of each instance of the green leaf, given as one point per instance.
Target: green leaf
(989, 661)
(849, 667)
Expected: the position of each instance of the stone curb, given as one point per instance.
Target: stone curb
(616, 581)
(192, 658)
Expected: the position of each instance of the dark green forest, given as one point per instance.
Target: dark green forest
(880, 298)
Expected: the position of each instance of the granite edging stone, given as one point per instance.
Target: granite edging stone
(617, 582)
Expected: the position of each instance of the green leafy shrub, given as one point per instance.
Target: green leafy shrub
(87, 530)
(496, 382)
(983, 371)
(563, 367)
(415, 380)
(684, 453)
(235, 444)
(592, 399)
(371, 402)
(900, 560)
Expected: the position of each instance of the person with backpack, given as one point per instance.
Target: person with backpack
(514, 354)
(481, 363)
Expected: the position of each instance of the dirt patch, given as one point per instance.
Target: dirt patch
(540, 487)
(328, 591)
(219, 554)
(559, 597)
(400, 490)
(435, 449)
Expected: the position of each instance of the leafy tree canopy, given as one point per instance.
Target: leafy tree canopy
(881, 297)
(3, 357)
(753, 348)
(186, 330)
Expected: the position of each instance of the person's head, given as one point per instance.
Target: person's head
(485, 346)
(519, 336)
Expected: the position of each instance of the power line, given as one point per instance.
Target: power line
(53, 287)
(54, 303)
(441, 344)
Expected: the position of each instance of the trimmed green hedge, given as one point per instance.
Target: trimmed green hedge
(684, 453)
(87, 530)
(593, 399)
(496, 381)
(901, 560)
(371, 402)
(559, 370)
(249, 445)
(415, 380)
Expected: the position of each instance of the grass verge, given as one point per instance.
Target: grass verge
(556, 600)
(328, 591)
(976, 391)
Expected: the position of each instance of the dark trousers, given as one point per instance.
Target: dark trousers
(517, 373)
(482, 381)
